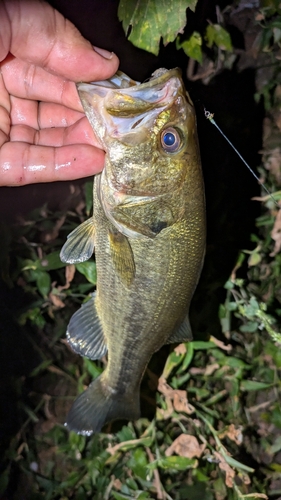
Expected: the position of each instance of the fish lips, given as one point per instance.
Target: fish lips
(116, 111)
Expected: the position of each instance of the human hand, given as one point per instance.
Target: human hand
(41, 56)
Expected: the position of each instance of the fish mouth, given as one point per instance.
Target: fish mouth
(122, 81)
(120, 106)
(125, 97)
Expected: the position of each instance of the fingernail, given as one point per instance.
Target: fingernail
(104, 53)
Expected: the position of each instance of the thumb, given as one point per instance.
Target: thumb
(40, 35)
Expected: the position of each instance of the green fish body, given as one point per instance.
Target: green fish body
(148, 234)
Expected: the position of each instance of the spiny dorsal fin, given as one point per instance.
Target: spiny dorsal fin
(182, 334)
(122, 256)
(85, 333)
(80, 244)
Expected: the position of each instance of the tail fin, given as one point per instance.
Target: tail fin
(94, 408)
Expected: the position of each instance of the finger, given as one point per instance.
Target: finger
(28, 81)
(42, 36)
(5, 109)
(24, 112)
(42, 115)
(5, 32)
(55, 115)
(22, 164)
(78, 133)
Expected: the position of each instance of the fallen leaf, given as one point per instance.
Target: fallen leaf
(233, 433)
(175, 399)
(69, 275)
(53, 234)
(181, 403)
(273, 163)
(56, 301)
(156, 482)
(259, 17)
(221, 344)
(197, 371)
(258, 495)
(229, 472)
(164, 414)
(260, 406)
(186, 446)
(245, 478)
(164, 388)
(210, 369)
(117, 484)
(276, 234)
(180, 349)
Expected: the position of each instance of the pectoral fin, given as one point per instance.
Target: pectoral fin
(80, 243)
(122, 256)
(85, 333)
(182, 334)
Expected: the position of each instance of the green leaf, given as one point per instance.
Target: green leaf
(216, 34)
(236, 363)
(126, 433)
(254, 259)
(34, 315)
(177, 463)
(252, 385)
(4, 480)
(120, 496)
(41, 368)
(229, 285)
(30, 413)
(50, 262)
(275, 417)
(89, 271)
(201, 345)
(188, 357)
(138, 463)
(151, 20)
(173, 360)
(92, 368)
(251, 327)
(238, 465)
(128, 445)
(274, 448)
(43, 282)
(192, 47)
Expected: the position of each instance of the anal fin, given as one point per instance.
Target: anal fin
(80, 244)
(85, 333)
(181, 334)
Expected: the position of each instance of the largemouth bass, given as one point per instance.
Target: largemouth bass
(148, 233)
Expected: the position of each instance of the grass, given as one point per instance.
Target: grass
(214, 430)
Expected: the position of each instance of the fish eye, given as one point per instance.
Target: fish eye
(170, 140)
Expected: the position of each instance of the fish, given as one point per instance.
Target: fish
(148, 233)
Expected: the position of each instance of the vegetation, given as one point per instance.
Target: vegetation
(214, 426)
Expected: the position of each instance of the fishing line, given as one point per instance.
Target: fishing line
(210, 117)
